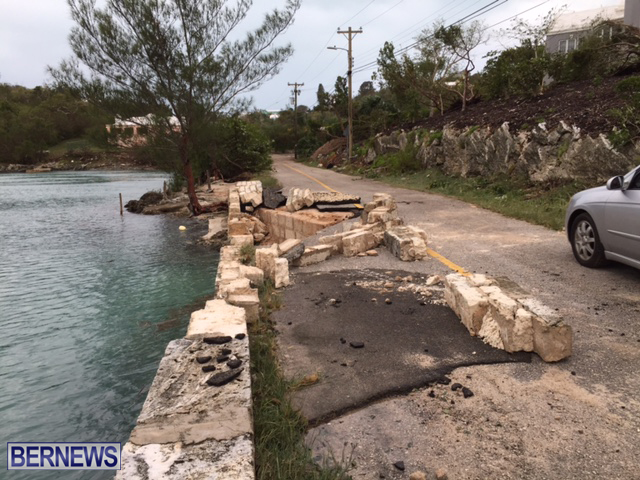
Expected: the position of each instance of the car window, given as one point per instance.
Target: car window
(635, 183)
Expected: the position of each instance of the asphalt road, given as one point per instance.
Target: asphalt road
(602, 306)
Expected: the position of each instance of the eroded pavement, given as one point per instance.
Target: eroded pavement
(578, 418)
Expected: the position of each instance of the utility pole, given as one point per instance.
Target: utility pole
(296, 92)
(350, 33)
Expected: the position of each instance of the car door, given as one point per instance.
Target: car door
(622, 214)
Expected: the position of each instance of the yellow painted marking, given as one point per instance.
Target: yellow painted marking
(445, 261)
(319, 182)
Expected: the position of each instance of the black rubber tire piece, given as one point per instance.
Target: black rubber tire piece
(596, 258)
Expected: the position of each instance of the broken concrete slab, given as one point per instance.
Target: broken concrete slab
(254, 274)
(334, 198)
(217, 226)
(249, 300)
(292, 251)
(281, 273)
(273, 198)
(358, 241)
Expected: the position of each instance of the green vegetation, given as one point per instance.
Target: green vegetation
(279, 429)
(41, 122)
(248, 254)
(540, 204)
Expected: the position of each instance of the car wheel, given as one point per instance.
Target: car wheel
(585, 242)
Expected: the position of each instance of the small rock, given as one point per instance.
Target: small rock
(456, 386)
(431, 281)
(222, 358)
(431, 394)
(399, 466)
(235, 363)
(225, 351)
(249, 208)
(374, 300)
(332, 301)
(441, 474)
(466, 393)
(204, 359)
(357, 344)
(343, 341)
(388, 301)
(418, 476)
(399, 279)
(217, 340)
(223, 378)
(408, 279)
(388, 285)
(343, 364)
(372, 253)
(362, 254)
(444, 380)
(241, 336)
(208, 368)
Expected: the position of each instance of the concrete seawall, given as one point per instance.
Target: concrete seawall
(197, 419)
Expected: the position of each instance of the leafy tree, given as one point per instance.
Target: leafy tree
(172, 58)
(340, 97)
(323, 99)
(460, 42)
(524, 69)
(366, 88)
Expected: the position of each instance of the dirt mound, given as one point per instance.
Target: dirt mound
(330, 153)
(585, 104)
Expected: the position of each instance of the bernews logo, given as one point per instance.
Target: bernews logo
(63, 456)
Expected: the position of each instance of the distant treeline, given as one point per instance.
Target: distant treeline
(33, 120)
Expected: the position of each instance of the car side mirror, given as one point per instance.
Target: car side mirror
(615, 183)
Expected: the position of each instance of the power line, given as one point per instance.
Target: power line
(386, 11)
(471, 16)
(361, 10)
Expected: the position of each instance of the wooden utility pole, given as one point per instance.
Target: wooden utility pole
(350, 34)
(296, 92)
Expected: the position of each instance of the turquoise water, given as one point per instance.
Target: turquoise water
(88, 302)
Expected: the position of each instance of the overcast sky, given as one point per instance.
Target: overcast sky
(33, 34)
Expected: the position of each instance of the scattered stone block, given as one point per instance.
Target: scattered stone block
(250, 193)
(217, 318)
(241, 240)
(383, 200)
(315, 254)
(552, 342)
(281, 273)
(382, 214)
(235, 286)
(505, 322)
(372, 253)
(254, 274)
(266, 260)
(249, 301)
(406, 243)
(240, 227)
(358, 241)
(467, 302)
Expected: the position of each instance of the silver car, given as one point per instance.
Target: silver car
(603, 223)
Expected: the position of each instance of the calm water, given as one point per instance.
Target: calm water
(88, 302)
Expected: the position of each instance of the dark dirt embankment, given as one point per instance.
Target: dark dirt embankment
(585, 104)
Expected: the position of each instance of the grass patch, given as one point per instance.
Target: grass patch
(279, 429)
(539, 204)
(268, 180)
(248, 255)
(75, 145)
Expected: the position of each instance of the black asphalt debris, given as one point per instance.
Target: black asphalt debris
(395, 337)
(217, 340)
(204, 359)
(220, 379)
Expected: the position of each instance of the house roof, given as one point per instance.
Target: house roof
(578, 21)
(146, 120)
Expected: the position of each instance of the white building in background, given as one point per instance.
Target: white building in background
(133, 131)
(565, 34)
